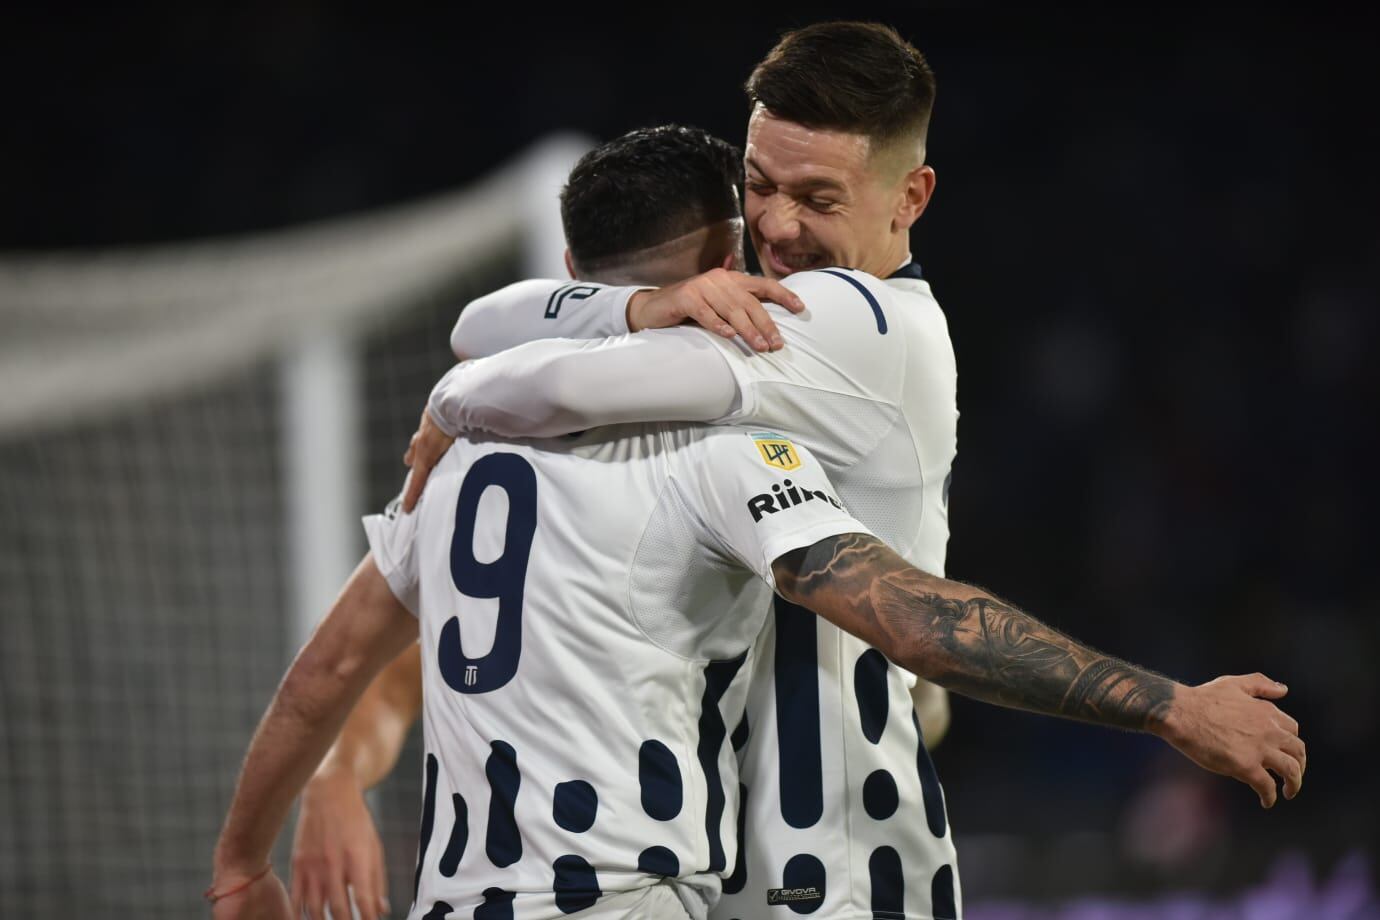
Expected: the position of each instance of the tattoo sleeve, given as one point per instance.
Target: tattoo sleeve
(963, 638)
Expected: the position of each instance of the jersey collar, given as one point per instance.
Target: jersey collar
(910, 270)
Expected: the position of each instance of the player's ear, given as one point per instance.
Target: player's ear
(569, 263)
(916, 190)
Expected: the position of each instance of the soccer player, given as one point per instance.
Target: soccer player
(836, 176)
(652, 207)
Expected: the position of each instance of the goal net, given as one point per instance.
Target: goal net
(188, 436)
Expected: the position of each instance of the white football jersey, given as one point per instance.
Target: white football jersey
(586, 606)
(844, 812)
(868, 382)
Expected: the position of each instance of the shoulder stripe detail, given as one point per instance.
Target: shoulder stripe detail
(862, 289)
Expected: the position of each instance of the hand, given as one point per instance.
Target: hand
(1229, 726)
(424, 451)
(264, 899)
(725, 302)
(337, 849)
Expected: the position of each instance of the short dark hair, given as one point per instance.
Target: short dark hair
(858, 77)
(648, 187)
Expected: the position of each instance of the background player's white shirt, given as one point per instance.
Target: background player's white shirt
(868, 382)
(585, 608)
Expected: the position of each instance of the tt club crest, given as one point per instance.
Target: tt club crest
(776, 451)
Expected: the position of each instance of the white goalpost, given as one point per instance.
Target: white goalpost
(189, 434)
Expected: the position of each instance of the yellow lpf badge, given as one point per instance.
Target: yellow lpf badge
(777, 451)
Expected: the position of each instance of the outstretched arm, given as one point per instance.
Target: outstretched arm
(965, 639)
(336, 846)
(366, 628)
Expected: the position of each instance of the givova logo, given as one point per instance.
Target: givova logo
(786, 495)
(794, 895)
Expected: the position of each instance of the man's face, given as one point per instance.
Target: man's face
(817, 198)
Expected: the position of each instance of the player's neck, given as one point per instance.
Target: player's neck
(895, 255)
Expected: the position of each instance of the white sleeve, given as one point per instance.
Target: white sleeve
(559, 386)
(762, 495)
(842, 344)
(392, 538)
(539, 309)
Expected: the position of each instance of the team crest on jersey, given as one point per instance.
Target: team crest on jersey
(777, 451)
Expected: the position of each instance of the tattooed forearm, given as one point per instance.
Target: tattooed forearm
(963, 638)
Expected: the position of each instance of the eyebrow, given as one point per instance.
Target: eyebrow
(807, 185)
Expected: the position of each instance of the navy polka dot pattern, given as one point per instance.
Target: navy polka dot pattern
(804, 871)
(659, 775)
(575, 806)
(888, 885)
(498, 905)
(880, 797)
(944, 906)
(439, 911)
(576, 885)
(658, 861)
(503, 843)
(717, 677)
(929, 785)
(433, 767)
(459, 836)
(801, 760)
(870, 688)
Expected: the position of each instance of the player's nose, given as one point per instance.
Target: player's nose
(778, 221)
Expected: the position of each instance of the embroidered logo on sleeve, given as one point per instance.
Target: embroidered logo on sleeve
(776, 451)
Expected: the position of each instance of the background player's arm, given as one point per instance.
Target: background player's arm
(336, 844)
(365, 628)
(973, 643)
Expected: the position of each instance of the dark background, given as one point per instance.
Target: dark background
(1156, 238)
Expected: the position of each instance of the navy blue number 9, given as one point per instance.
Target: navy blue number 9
(503, 578)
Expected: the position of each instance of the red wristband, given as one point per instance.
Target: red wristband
(213, 896)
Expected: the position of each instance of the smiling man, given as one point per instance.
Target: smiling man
(837, 177)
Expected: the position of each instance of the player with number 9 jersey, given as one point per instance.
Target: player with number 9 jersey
(844, 813)
(586, 607)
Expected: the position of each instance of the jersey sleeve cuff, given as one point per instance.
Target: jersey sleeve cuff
(375, 526)
(781, 544)
(617, 319)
